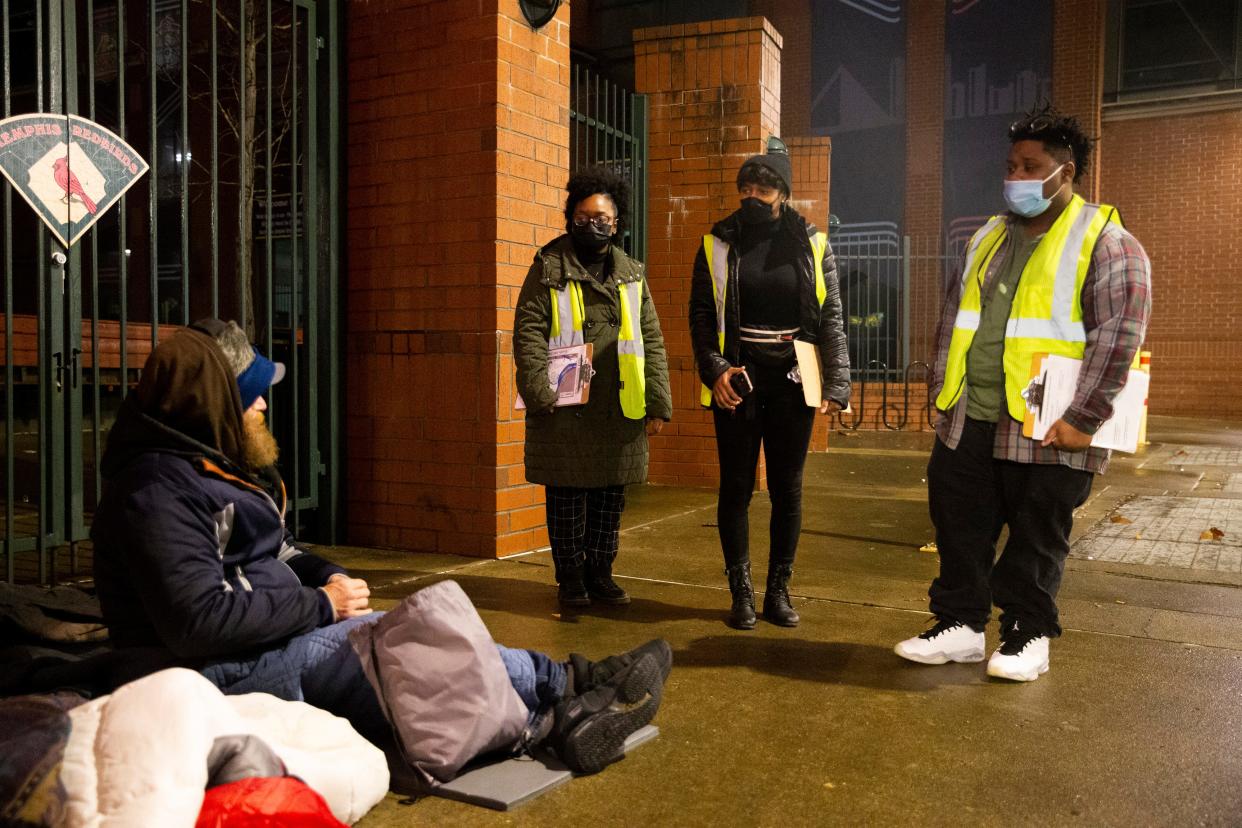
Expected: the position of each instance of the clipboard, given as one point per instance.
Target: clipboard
(811, 374)
(1053, 383)
(569, 375)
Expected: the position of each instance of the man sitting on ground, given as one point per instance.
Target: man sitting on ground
(195, 566)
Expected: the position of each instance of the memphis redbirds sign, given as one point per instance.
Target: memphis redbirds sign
(69, 169)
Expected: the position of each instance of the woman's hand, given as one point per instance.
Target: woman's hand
(722, 391)
(654, 426)
(829, 407)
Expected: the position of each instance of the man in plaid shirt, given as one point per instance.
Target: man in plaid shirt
(1024, 291)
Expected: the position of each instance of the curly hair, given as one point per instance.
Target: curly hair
(598, 180)
(1062, 136)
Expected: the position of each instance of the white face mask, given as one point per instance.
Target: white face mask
(1026, 198)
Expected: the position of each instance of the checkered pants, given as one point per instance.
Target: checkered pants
(583, 524)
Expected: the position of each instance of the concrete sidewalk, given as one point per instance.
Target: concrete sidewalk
(1137, 722)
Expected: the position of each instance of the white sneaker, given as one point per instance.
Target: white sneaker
(946, 641)
(1022, 656)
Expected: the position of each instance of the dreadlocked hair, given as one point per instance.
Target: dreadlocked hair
(1062, 136)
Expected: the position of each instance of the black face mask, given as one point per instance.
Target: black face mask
(589, 237)
(756, 211)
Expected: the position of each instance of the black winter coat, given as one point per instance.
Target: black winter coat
(820, 325)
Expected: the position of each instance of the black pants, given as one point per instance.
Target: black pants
(972, 496)
(777, 417)
(583, 524)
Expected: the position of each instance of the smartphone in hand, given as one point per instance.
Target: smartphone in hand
(741, 384)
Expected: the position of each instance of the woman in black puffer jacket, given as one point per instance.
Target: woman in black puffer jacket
(764, 278)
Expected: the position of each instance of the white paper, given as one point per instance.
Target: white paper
(1119, 432)
(812, 377)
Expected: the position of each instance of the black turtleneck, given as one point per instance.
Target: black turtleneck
(767, 284)
(595, 261)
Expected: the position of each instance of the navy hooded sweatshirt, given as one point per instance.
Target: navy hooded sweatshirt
(191, 552)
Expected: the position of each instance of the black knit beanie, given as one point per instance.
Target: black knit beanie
(776, 159)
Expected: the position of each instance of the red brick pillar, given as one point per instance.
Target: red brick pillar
(714, 92)
(812, 170)
(1078, 73)
(924, 207)
(457, 154)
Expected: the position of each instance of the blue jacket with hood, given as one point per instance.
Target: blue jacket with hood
(192, 556)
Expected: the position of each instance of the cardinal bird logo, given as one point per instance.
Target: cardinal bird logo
(69, 183)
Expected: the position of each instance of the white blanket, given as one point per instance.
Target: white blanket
(139, 756)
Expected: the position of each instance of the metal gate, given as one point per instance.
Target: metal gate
(608, 126)
(233, 104)
(889, 329)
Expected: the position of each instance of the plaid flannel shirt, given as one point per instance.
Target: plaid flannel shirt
(1116, 303)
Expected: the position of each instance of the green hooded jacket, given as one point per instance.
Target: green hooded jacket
(591, 445)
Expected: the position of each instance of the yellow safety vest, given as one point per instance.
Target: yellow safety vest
(716, 251)
(1046, 316)
(567, 306)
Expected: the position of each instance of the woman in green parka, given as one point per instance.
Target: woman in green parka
(585, 455)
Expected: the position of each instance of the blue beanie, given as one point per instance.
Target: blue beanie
(259, 376)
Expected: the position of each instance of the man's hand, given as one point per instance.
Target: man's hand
(1064, 436)
(722, 391)
(829, 407)
(350, 597)
(654, 426)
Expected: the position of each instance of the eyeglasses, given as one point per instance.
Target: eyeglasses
(600, 223)
(1041, 123)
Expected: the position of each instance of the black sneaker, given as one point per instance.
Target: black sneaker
(586, 674)
(590, 729)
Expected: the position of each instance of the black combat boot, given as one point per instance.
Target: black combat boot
(601, 587)
(742, 613)
(776, 606)
(572, 591)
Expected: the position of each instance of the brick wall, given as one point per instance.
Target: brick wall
(714, 99)
(812, 169)
(1078, 73)
(925, 36)
(792, 19)
(1177, 180)
(457, 151)
(1174, 177)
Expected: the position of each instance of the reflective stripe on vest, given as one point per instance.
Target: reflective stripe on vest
(631, 358)
(567, 305)
(716, 251)
(568, 313)
(1046, 316)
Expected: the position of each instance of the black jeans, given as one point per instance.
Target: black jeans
(972, 496)
(776, 416)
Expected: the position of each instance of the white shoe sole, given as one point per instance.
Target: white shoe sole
(961, 656)
(997, 672)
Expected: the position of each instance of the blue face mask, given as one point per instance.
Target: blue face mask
(1026, 198)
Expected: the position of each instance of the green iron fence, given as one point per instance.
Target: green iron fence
(234, 103)
(608, 125)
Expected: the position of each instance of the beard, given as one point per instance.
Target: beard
(259, 448)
